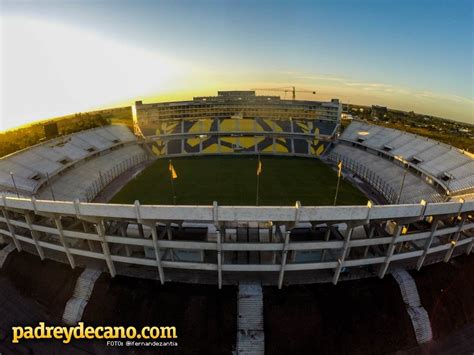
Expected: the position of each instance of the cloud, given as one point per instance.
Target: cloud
(49, 69)
(449, 97)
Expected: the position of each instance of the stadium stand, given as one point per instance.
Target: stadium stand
(86, 180)
(414, 187)
(69, 162)
(325, 127)
(445, 167)
(238, 122)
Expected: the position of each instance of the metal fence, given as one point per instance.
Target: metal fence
(105, 177)
(366, 175)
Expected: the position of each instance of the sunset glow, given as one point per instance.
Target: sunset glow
(63, 66)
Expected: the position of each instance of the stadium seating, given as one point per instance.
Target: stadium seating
(447, 165)
(414, 187)
(95, 173)
(28, 169)
(325, 127)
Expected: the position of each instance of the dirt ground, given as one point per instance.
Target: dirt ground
(49, 283)
(205, 317)
(447, 293)
(357, 317)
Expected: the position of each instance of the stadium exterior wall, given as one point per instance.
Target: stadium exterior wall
(396, 236)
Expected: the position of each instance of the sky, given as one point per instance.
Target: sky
(62, 57)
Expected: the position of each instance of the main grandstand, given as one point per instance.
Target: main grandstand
(238, 122)
(420, 211)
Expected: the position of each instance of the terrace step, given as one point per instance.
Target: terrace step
(5, 252)
(418, 315)
(82, 293)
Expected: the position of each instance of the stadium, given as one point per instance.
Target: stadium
(239, 189)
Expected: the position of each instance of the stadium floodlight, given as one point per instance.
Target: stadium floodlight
(50, 187)
(399, 158)
(14, 184)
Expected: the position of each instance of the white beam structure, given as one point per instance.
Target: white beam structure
(139, 235)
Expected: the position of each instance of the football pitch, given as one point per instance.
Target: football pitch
(233, 181)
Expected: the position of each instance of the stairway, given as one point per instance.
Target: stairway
(418, 315)
(250, 333)
(5, 252)
(82, 292)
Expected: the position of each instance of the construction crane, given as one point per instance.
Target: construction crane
(286, 89)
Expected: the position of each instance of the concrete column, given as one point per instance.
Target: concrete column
(371, 234)
(345, 248)
(390, 250)
(168, 231)
(170, 237)
(283, 259)
(455, 239)
(105, 247)
(421, 259)
(141, 233)
(219, 259)
(90, 243)
(34, 235)
(123, 233)
(220, 229)
(62, 239)
(327, 235)
(469, 248)
(154, 235)
(274, 240)
(11, 229)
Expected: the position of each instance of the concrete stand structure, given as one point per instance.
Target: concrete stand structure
(194, 243)
(5, 252)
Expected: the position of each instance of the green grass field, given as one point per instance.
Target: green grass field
(232, 181)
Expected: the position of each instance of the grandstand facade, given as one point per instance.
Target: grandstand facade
(238, 122)
(225, 245)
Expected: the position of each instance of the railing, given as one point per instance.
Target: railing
(145, 236)
(105, 177)
(367, 175)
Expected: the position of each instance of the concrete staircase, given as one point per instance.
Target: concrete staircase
(250, 333)
(82, 292)
(4, 252)
(418, 315)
